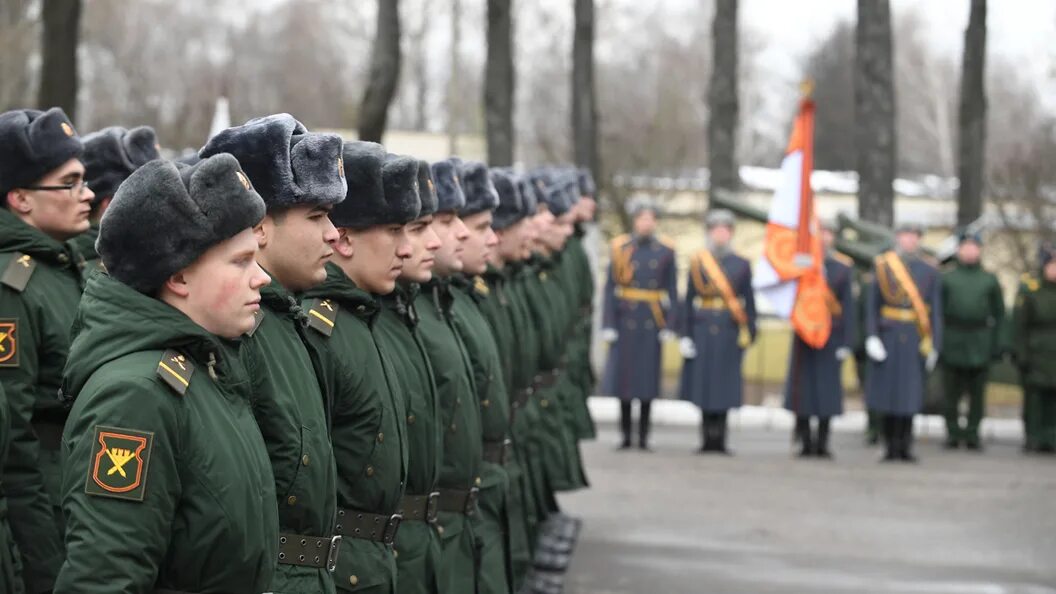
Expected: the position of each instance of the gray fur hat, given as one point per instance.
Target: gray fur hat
(479, 188)
(910, 227)
(562, 193)
(719, 217)
(510, 210)
(530, 194)
(166, 215)
(586, 183)
(288, 165)
(427, 190)
(112, 154)
(380, 192)
(449, 193)
(641, 204)
(33, 143)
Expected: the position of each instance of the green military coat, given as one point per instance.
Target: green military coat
(10, 561)
(166, 477)
(973, 312)
(1034, 334)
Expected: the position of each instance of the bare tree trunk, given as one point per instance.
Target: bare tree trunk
(499, 83)
(58, 73)
(384, 73)
(972, 118)
(722, 99)
(584, 101)
(453, 104)
(874, 99)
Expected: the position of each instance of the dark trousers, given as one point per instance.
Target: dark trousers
(898, 437)
(959, 382)
(644, 410)
(1043, 419)
(813, 443)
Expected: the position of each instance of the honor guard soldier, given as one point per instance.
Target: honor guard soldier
(903, 325)
(640, 292)
(369, 431)
(300, 176)
(399, 339)
(973, 313)
(717, 324)
(110, 156)
(167, 486)
(1034, 346)
(813, 388)
(45, 202)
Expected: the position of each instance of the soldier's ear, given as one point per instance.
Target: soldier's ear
(177, 285)
(345, 244)
(263, 231)
(18, 201)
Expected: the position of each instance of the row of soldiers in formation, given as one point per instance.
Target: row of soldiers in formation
(911, 316)
(287, 364)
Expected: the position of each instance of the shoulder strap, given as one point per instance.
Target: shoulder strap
(176, 370)
(322, 315)
(905, 279)
(717, 276)
(18, 271)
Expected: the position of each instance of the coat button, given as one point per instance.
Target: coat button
(353, 580)
(544, 403)
(453, 428)
(64, 259)
(305, 459)
(370, 470)
(458, 400)
(440, 530)
(395, 554)
(477, 482)
(291, 500)
(410, 419)
(485, 403)
(381, 438)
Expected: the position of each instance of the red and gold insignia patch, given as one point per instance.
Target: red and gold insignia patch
(8, 342)
(118, 466)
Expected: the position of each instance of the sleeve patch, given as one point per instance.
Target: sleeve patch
(8, 342)
(118, 464)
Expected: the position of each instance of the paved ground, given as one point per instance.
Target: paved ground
(675, 522)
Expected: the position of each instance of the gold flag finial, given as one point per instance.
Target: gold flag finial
(806, 88)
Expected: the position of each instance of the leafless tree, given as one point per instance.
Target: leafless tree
(19, 39)
(972, 119)
(584, 103)
(875, 112)
(58, 74)
(384, 72)
(499, 77)
(722, 99)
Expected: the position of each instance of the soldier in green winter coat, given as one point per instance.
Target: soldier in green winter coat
(973, 311)
(400, 340)
(43, 203)
(167, 484)
(110, 156)
(10, 563)
(300, 176)
(369, 410)
(1027, 282)
(1034, 346)
(461, 453)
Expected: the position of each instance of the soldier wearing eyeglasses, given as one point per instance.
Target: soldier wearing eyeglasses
(45, 202)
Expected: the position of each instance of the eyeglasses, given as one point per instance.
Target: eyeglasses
(75, 189)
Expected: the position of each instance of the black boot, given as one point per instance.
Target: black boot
(821, 448)
(890, 424)
(720, 432)
(906, 439)
(643, 426)
(625, 424)
(706, 440)
(803, 436)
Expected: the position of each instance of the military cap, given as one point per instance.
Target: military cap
(910, 227)
(112, 154)
(641, 204)
(166, 215)
(449, 192)
(973, 236)
(288, 165)
(380, 191)
(479, 189)
(510, 210)
(720, 217)
(586, 183)
(427, 190)
(33, 143)
(188, 159)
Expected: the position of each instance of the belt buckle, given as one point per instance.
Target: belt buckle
(471, 502)
(432, 507)
(331, 557)
(388, 536)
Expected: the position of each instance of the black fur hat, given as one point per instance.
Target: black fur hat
(288, 165)
(374, 197)
(449, 191)
(112, 154)
(480, 190)
(427, 190)
(166, 215)
(33, 143)
(510, 210)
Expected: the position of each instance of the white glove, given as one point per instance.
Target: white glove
(931, 361)
(874, 347)
(666, 335)
(843, 353)
(609, 334)
(687, 348)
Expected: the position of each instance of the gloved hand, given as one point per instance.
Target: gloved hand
(931, 361)
(666, 335)
(843, 353)
(609, 334)
(874, 347)
(687, 348)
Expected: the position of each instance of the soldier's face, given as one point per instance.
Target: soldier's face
(480, 242)
(828, 238)
(452, 233)
(908, 241)
(645, 223)
(220, 291)
(586, 209)
(373, 258)
(542, 224)
(60, 214)
(969, 252)
(720, 235)
(418, 268)
(511, 241)
(1049, 271)
(557, 233)
(296, 244)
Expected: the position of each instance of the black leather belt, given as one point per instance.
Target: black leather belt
(368, 526)
(546, 379)
(458, 501)
(420, 508)
(498, 452)
(309, 551)
(49, 435)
